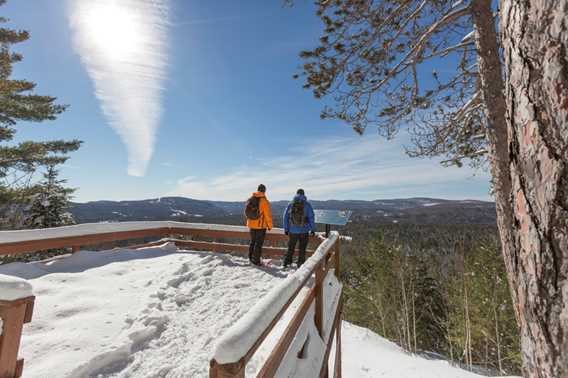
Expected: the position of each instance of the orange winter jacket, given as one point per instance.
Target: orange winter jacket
(265, 218)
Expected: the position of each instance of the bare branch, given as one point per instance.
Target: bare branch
(420, 44)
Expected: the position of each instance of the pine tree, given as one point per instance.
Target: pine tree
(18, 102)
(50, 202)
(375, 61)
(431, 310)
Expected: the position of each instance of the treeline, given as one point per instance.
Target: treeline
(440, 289)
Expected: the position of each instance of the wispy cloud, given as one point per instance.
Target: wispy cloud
(342, 168)
(122, 44)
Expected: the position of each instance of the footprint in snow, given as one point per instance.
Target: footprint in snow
(240, 285)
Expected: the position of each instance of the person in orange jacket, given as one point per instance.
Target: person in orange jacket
(259, 219)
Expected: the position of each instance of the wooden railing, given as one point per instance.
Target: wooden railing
(91, 234)
(14, 314)
(326, 257)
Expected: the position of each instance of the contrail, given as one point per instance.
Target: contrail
(123, 46)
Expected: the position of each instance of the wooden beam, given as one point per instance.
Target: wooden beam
(229, 248)
(14, 314)
(273, 362)
(324, 372)
(337, 260)
(234, 370)
(320, 275)
(14, 248)
(337, 367)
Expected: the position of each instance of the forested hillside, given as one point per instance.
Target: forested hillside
(434, 290)
(408, 210)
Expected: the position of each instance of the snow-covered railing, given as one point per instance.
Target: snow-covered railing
(16, 311)
(77, 236)
(237, 346)
(16, 308)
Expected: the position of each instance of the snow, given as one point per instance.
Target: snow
(12, 288)
(135, 313)
(431, 204)
(468, 37)
(177, 212)
(104, 227)
(367, 355)
(157, 312)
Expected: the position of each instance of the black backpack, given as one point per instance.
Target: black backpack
(297, 217)
(252, 208)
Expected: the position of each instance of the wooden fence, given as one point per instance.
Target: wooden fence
(16, 313)
(329, 258)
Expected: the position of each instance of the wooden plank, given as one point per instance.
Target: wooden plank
(13, 314)
(14, 248)
(19, 368)
(83, 240)
(228, 248)
(234, 370)
(318, 319)
(273, 362)
(30, 301)
(324, 372)
(337, 368)
(337, 259)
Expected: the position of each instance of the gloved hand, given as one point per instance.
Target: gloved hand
(312, 233)
(286, 232)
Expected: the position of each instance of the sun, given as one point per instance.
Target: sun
(113, 29)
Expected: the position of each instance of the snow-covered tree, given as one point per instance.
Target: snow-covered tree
(50, 202)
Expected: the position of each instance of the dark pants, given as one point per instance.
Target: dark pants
(293, 239)
(256, 242)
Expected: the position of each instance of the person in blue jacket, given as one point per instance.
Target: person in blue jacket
(298, 225)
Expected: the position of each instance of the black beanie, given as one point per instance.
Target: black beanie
(262, 188)
(301, 192)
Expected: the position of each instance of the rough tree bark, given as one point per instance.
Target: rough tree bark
(535, 45)
(528, 134)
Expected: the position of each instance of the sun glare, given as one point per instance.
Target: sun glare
(113, 29)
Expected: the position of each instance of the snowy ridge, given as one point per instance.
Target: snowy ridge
(101, 228)
(239, 339)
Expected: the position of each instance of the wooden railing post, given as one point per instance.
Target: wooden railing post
(234, 370)
(337, 373)
(13, 314)
(337, 256)
(320, 272)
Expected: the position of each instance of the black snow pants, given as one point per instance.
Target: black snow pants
(256, 242)
(293, 239)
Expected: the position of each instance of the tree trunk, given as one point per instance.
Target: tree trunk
(529, 152)
(535, 44)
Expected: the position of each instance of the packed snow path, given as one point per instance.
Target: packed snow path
(146, 313)
(157, 312)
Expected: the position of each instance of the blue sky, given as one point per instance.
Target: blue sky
(225, 113)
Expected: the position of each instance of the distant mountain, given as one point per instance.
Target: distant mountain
(408, 210)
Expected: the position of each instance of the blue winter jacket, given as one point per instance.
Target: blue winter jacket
(308, 226)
